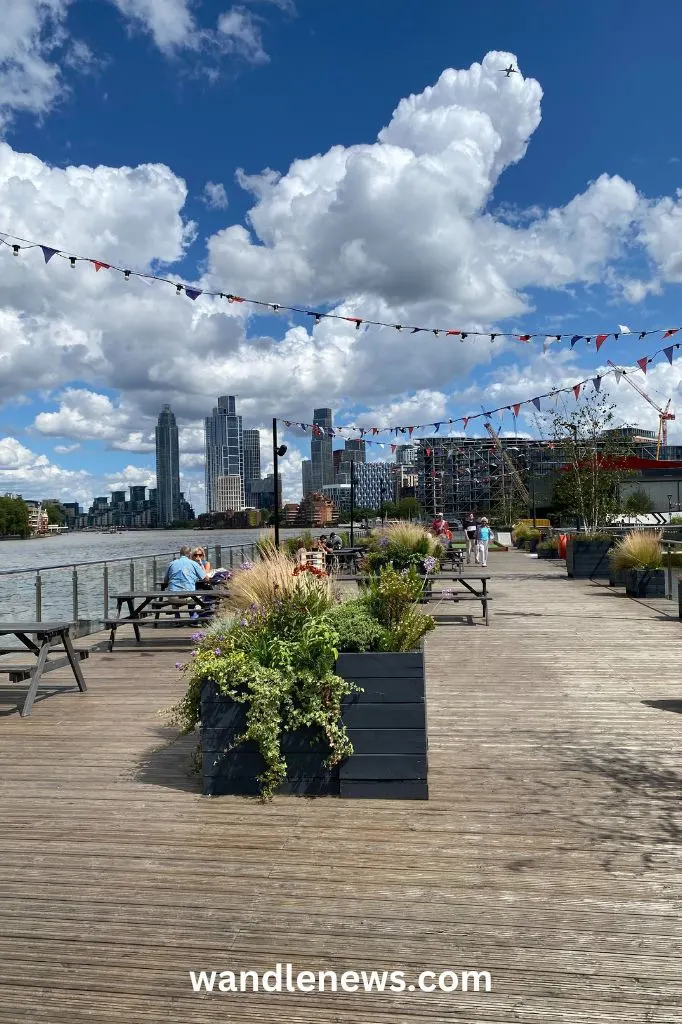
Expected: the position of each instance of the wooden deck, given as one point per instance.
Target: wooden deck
(549, 853)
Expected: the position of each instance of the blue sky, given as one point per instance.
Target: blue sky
(201, 90)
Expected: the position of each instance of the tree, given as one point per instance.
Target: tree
(408, 508)
(55, 516)
(638, 503)
(591, 451)
(14, 518)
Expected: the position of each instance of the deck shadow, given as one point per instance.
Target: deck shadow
(665, 705)
(169, 765)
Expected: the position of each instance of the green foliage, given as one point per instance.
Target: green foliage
(55, 516)
(590, 536)
(637, 549)
(291, 543)
(13, 517)
(356, 627)
(549, 544)
(676, 521)
(592, 451)
(638, 503)
(391, 598)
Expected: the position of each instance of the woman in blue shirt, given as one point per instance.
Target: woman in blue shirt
(484, 538)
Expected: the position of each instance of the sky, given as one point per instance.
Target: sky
(364, 159)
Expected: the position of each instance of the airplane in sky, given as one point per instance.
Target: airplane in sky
(511, 70)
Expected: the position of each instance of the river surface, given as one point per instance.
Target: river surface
(83, 597)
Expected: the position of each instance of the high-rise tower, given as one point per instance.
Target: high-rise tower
(224, 444)
(167, 468)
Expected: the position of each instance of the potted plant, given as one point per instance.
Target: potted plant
(587, 555)
(639, 555)
(548, 548)
(269, 692)
(402, 545)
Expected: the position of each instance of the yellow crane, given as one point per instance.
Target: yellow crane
(664, 415)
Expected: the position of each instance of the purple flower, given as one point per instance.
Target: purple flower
(246, 565)
(217, 652)
(243, 622)
(196, 638)
(430, 564)
(192, 654)
(179, 665)
(383, 542)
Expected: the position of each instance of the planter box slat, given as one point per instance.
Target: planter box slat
(385, 789)
(588, 559)
(303, 786)
(385, 690)
(388, 741)
(384, 665)
(240, 763)
(389, 716)
(383, 766)
(645, 583)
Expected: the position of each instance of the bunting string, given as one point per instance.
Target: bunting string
(18, 244)
(514, 407)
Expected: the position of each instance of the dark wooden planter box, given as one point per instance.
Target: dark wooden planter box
(645, 583)
(588, 559)
(617, 578)
(233, 771)
(547, 554)
(386, 724)
(532, 544)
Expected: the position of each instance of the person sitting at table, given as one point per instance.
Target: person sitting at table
(199, 555)
(335, 541)
(183, 573)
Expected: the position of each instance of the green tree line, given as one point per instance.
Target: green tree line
(13, 518)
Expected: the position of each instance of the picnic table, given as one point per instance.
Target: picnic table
(474, 584)
(46, 634)
(195, 606)
(343, 557)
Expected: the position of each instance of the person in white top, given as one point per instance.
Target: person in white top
(470, 531)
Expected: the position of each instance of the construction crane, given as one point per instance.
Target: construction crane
(664, 415)
(515, 475)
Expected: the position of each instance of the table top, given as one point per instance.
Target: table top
(49, 626)
(422, 576)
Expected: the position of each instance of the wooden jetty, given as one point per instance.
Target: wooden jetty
(549, 853)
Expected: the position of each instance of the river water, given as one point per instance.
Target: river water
(61, 595)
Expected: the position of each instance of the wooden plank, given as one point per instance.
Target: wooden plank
(547, 852)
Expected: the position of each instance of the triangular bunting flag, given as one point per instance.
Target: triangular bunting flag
(465, 421)
(303, 426)
(597, 383)
(642, 363)
(411, 430)
(393, 448)
(669, 334)
(576, 338)
(619, 374)
(600, 339)
(547, 342)
(623, 329)
(428, 451)
(536, 403)
(193, 293)
(416, 330)
(524, 337)
(669, 353)
(287, 423)
(436, 427)
(48, 253)
(576, 390)
(100, 266)
(516, 408)
(452, 332)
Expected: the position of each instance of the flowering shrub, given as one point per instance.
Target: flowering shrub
(312, 569)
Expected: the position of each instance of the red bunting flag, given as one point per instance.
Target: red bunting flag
(516, 408)
(576, 390)
(642, 363)
(466, 420)
(357, 320)
(600, 339)
(411, 430)
(669, 334)
(375, 430)
(452, 332)
(234, 298)
(100, 266)
(428, 451)
(524, 337)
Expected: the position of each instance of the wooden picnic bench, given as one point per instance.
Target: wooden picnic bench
(178, 607)
(47, 635)
(467, 581)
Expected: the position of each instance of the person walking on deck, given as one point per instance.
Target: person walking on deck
(470, 532)
(482, 541)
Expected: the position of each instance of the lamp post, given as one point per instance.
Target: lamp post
(670, 505)
(277, 452)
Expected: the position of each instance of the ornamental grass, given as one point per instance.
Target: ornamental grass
(272, 578)
(638, 549)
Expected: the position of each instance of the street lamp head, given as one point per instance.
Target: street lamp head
(282, 450)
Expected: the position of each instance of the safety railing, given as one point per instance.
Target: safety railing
(82, 592)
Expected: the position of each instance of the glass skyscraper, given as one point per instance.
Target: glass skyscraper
(224, 446)
(251, 467)
(322, 469)
(167, 469)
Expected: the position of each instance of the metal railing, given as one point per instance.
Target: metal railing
(81, 591)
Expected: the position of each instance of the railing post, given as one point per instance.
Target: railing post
(105, 583)
(218, 556)
(74, 595)
(39, 597)
(153, 587)
(231, 557)
(132, 576)
(670, 571)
